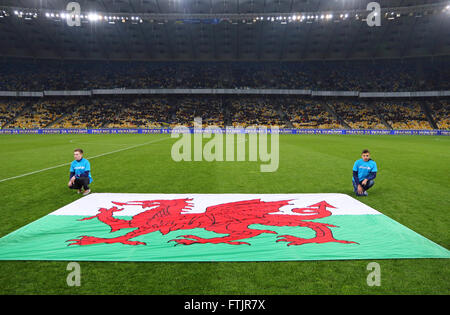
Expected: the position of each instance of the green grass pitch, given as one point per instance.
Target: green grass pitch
(412, 187)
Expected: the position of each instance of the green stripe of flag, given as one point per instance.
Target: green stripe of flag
(378, 237)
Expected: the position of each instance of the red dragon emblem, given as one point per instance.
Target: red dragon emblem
(232, 218)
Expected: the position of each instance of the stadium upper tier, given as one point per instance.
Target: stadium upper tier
(396, 75)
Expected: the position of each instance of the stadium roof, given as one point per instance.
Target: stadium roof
(213, 6)
(215, 30)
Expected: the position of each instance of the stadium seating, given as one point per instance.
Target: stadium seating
(403, 115)
(135, 111)
(357, 115)
(9, 109)
(309, 114)
(385, 75)
(238, 111)
(441, 113)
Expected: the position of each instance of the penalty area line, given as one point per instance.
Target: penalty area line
(90, 158)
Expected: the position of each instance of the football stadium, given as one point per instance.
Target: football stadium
(224, 147)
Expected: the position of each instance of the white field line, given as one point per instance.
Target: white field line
(90, 158)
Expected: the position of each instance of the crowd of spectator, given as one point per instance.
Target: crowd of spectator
(238, 111)
(308, 113)
(209, 108)
(9, 110)
(358, 115)
(42, 113)
(403, 114)
(440, 112)
(254, 111)
(136, 111)
(377, 75)
(152, 112)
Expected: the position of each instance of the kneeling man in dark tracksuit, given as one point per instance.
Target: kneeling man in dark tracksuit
(364, 173)
(80, 173)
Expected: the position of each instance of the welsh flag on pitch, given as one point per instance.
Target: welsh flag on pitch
(216, 227)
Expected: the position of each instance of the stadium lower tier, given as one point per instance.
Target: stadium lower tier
(238, 111)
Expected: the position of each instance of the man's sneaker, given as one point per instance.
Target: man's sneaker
(79, 191)
(365, 193)
(86, 192)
